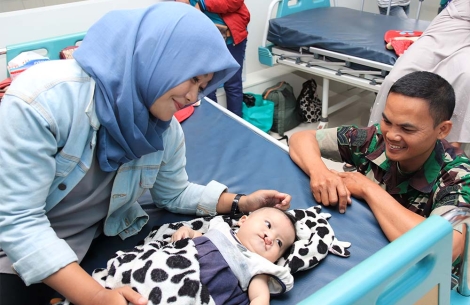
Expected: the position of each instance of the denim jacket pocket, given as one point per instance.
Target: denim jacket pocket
(65, 165)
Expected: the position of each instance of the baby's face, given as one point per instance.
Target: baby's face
(267, 232)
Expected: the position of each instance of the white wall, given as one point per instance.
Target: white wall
(369, 5)
(54, 20)
(16, 5)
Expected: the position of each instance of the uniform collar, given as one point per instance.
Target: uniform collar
(422, 180)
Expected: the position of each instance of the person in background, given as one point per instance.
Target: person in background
(399, 8)
(443, 49)
(231, 17)
(442, 5)
(82, 139)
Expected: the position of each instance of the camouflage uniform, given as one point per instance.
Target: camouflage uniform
(440, 184)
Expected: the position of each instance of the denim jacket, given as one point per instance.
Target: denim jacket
(48, 130)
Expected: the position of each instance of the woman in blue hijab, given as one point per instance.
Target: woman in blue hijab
(81, 140)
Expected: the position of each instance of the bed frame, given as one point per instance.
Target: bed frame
(351, 70)
(247, 159)
(377, 272)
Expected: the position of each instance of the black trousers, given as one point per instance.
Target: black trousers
(13, 291)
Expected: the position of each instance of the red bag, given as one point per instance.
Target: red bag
(67, 53)
(184, 113)
(4, 84)
(400, 41)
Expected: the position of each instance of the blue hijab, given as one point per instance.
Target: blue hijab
(135, 56)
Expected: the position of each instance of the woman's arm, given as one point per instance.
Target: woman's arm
(254, 201)
(29, 141)
(27, 171)
(174, 192)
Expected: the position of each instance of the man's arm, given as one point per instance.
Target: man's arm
(258, 291)
(393, 218)
(326, 186)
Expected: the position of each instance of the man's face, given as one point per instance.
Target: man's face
(409, 132)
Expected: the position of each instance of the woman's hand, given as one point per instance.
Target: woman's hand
(80, 288)
(264, 198)
(184, 232)
(118, 296)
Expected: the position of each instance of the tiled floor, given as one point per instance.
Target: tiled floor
(355, 114)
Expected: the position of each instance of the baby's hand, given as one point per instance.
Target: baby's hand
(184, 232)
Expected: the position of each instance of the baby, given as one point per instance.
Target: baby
(232, 263)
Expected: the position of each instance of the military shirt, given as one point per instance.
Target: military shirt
(440, 184)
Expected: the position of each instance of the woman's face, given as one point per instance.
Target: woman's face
(179, 97)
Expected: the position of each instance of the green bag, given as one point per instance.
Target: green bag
(261, 114)
(286, 109)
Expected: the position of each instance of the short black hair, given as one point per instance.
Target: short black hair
(291, 217)
(430, 87)
(293, 220)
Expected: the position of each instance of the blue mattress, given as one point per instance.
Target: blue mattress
(343, 30)
(223, 149)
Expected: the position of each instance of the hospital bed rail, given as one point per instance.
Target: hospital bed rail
(46, 47)
(417, 261)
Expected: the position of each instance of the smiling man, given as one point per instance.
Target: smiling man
(406, 170)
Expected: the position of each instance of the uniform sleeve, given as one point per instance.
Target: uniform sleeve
(452, 189)
(328, 143)
(347, 143)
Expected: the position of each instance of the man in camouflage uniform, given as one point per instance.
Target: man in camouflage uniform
(406, 170)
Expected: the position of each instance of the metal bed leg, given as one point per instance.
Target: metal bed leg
(389, 6)
(419, 9)
(324, 104)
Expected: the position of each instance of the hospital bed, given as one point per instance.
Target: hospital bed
(223, 147)
(334, 43)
